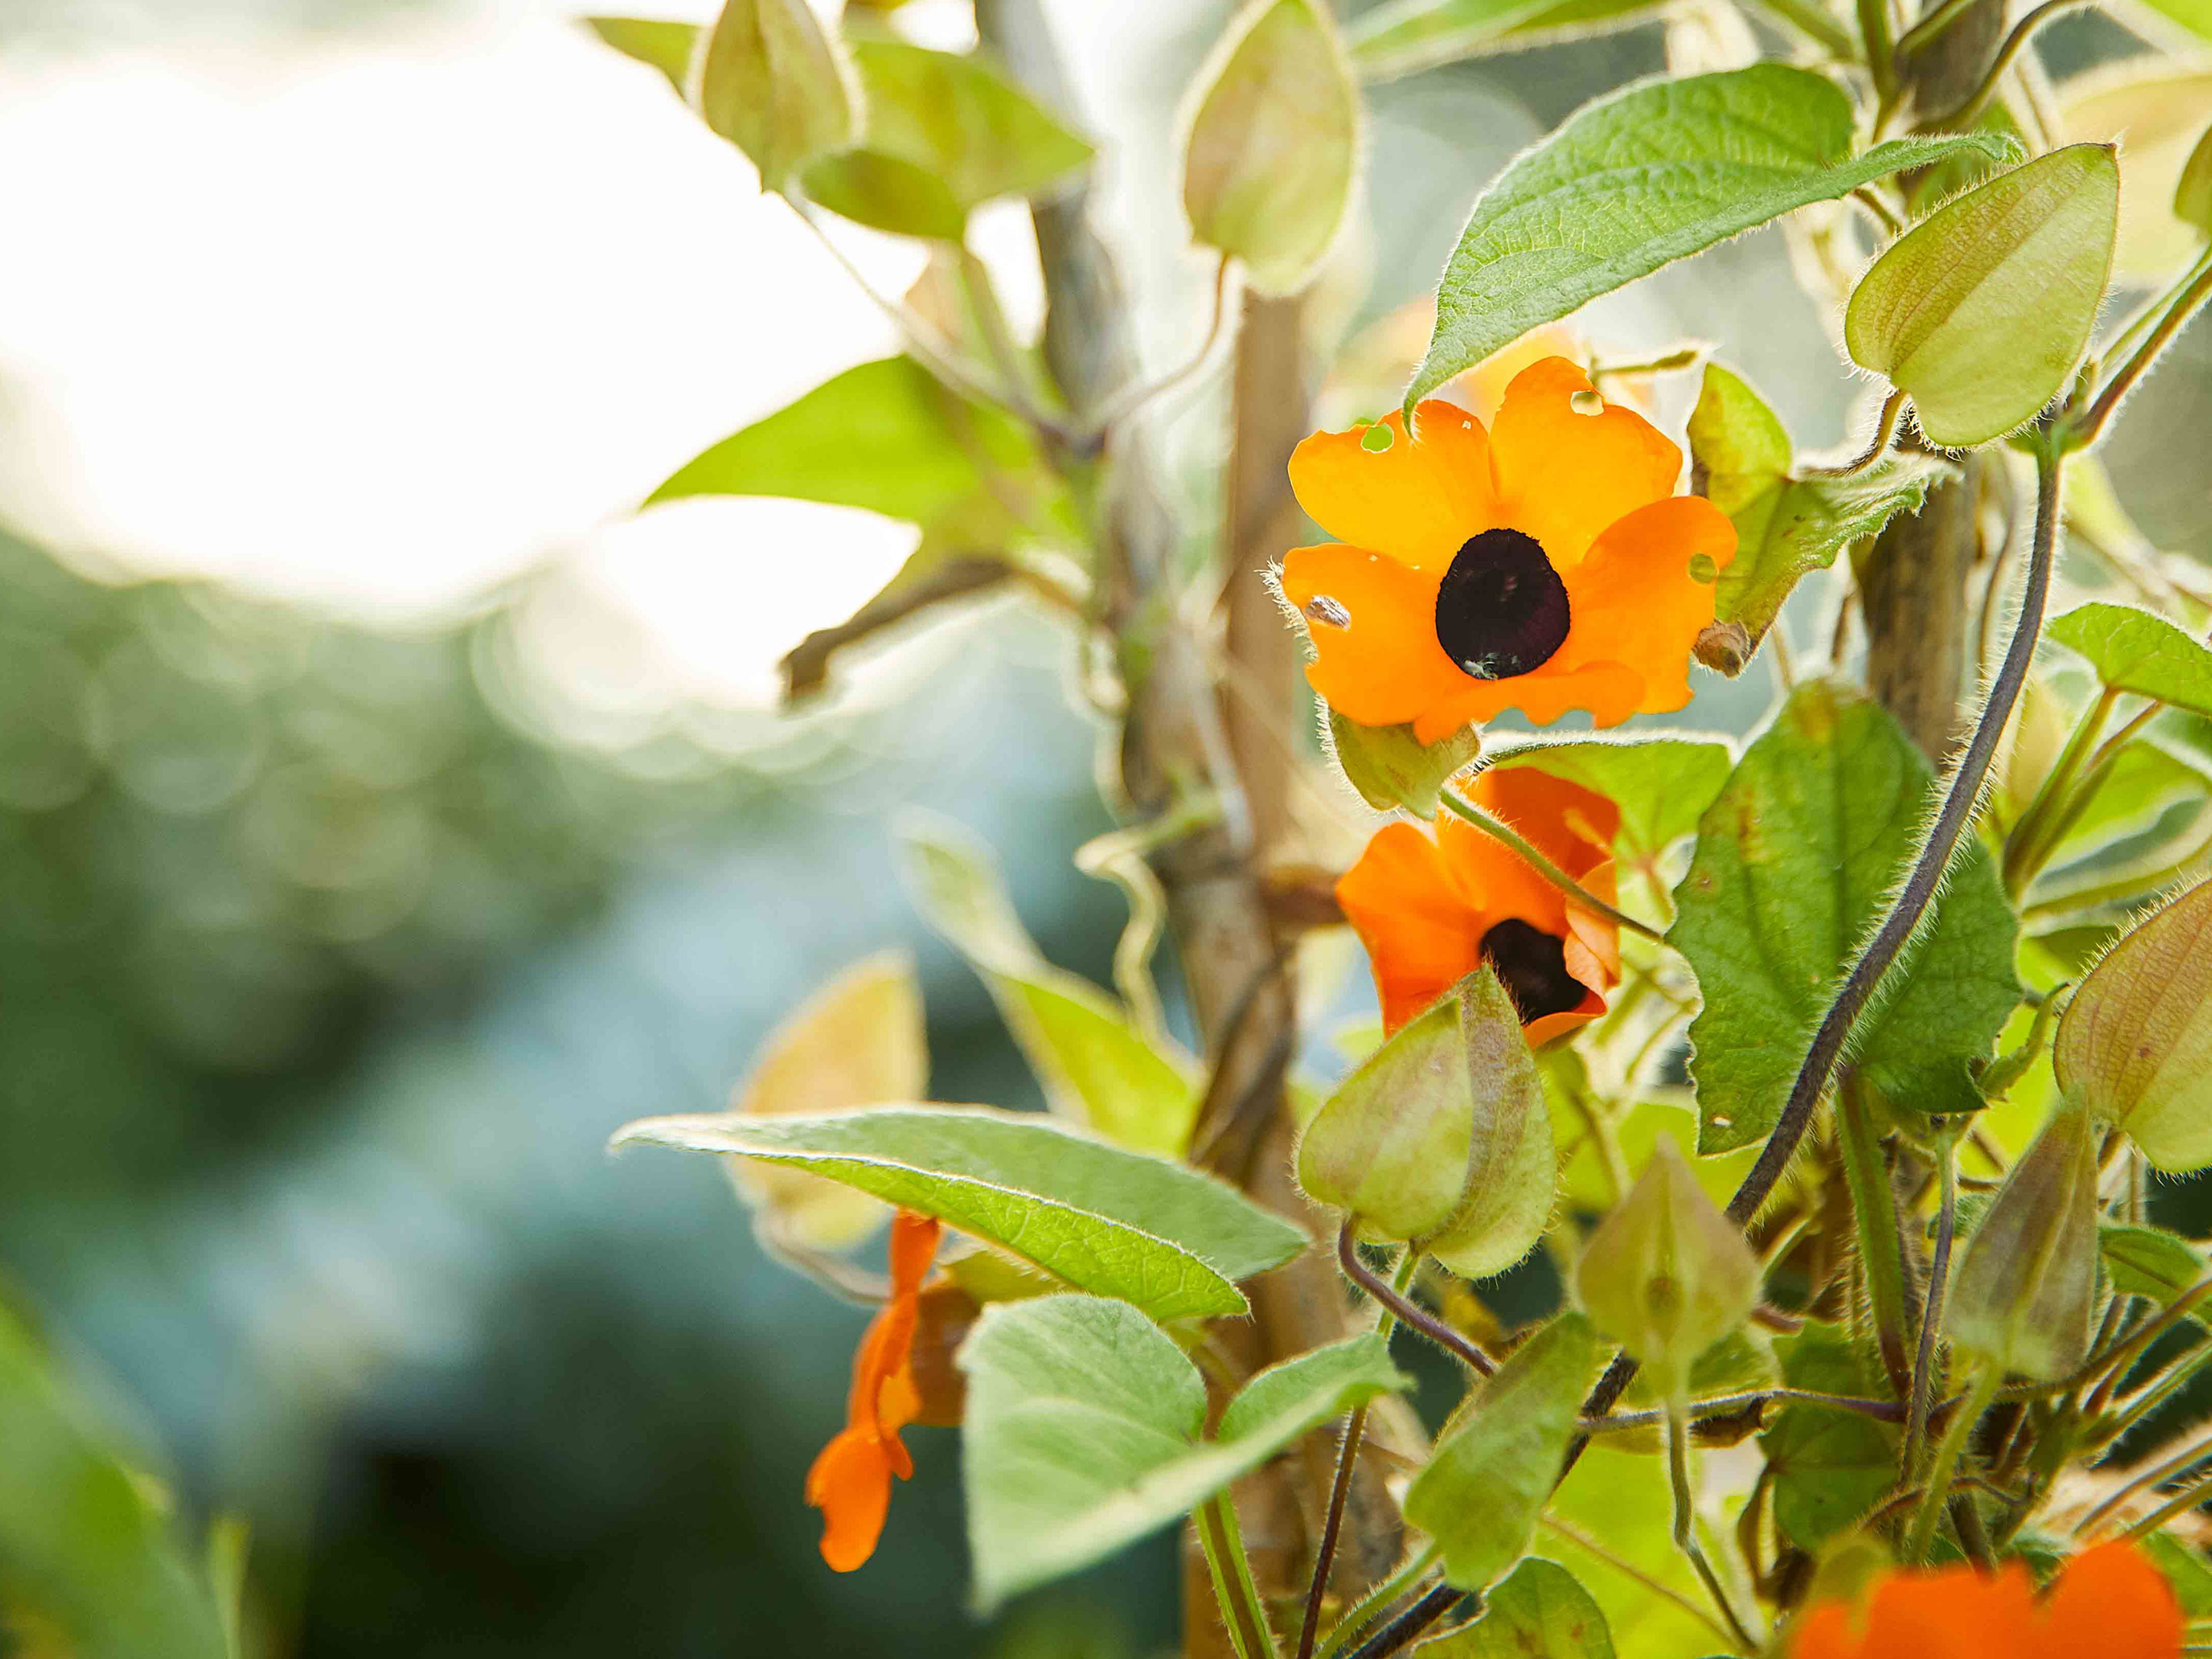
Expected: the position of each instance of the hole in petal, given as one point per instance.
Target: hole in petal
(1328, 612)
(1501, 609)
(1532, 965)
(1376, 439)
(1586, 403)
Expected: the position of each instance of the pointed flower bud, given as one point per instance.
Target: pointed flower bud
(1667, 1275)
(1442, 1139)
(2021, 1296)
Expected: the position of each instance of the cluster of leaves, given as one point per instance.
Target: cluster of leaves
(1848, 943)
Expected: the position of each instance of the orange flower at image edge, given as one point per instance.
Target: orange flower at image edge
(851, 1481)
(2109, 1604)
(1430, 911)
(1544, 565)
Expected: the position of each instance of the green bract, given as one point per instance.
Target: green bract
(1104, 1220)
(774, 84)
(1084, 1430)
(1983, 310)
(2023, 1292)
(653, 41)
(1640, 179)
(1272, 143)
(1391, 768)
(2135, 1046)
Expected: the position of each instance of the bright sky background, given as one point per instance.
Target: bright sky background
(379, 320)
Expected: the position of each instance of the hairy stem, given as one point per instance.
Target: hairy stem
(1931, 1313)
(1686, 1527)
(1881, 1248)
(1948, 1451)
(1499, 831)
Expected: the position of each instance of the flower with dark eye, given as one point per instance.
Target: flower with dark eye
(1545, 564)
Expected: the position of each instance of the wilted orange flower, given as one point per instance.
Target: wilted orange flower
(1430, 911)
(2109, 1604)
(1544, 565)
(851, 1481)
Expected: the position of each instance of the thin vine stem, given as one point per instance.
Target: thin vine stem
(1364, 1611)
(1133, 399)
(1884, 433)
(1243, 1612)
(1963, 115)
(1931, 1309)
(1347, 1256)
(1404, 1630)
(1685, 1528)
(1499, 831)
(2194, 1451)
(2085, 432)
(1948, 1451)
(1622, 1565)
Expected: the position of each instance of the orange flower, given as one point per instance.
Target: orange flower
(851, 1481)
(1430, 911)
(2109, 1604)
(1544, 565)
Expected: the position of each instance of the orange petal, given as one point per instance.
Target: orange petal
(1825, 1633)
(1611, 691)
(1417, 500)
(913, 1248)
(1420, 937)
(1956, 1614)
(1384, 666)
(1634, 602)
(1562, 476)
(2111, 1602)
(851, 1484)
(1572, 826)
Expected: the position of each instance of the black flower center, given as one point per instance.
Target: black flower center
(1502, 609)
(1531, 964)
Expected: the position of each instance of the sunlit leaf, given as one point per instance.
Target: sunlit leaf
(656, 42)
(1584, 1183)
(2149, 1260)
(1639, 180)
(1273, 135)
(1084, 1431)
(2140, 652)
(1792, 864)
(1539, 1612)
(1981, 311)
(1662, 782)
(1391, 768)
(1404, 36)
(1111, 1222)
(1619, 1500)
(777, 85)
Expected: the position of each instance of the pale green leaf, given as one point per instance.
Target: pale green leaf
(2149, 1260)
(2133, 790)
(1498, 1458)
(1272, 142)
(1619, 1500)
(1404, 36)
(945, 133)
(1793, 863)
(1651, 174)
(2140, 652)
(656, 42)
(82, 1537)
(2153, 106)
(1082, 1431)
(1094, 1064)
(1661, 781)
(2192, 192)
(1111, 1222)
(1540, 1612)
(777, 85)
(1981, 311)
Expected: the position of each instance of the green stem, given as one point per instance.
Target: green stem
(1946, 1463)
(2085, 431)
(1880, 48)
(2176, 1377)
(1922, 35)
(1499, 831)
(1885, 432)
(2187, 1498)
(1881, 1249)
(1686, 1525)
(1814, 21)
(2025, 851)
(1241, 1611)
(1963, 117)
(2193, 1452)
(1368, 1607)
(1931, 1312)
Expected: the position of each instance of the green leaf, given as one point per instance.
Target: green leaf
(1539, 1612)
(83, 1542)
(1786, 526)
(2192, 192)
(1657, 172)
(2137, 651)
(2149, 1260)
(1830, 1466)
(655, 42)
(774, 84)
(1661, 781)
(1981, 311)
(1619, 1500)
(1268, 155)
(2134, 1045)
(2154, 108)
(1111, 1222)
(1584, 1183)
(1082, 1431)
(1391, 768)
(2185, 1568)
(1094, 1066)
(1792, 864)
(885, 436)
(2133, 790)
(945, 134)
(1405, 37)
(1494, 1468)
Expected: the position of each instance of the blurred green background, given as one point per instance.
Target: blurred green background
(334, 942)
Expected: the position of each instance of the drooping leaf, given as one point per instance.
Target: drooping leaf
(1830, 1466)
(1787, 526)
(1111, 1222)
(82, 1541)
(1792, 864)
(2149, 1260)
(2139, 651)
(1498, 1458)
(1274, 136)
(1539, 1612)
(776, 84)
(1405, 37)
(1981, 311)
(1084, 1431)
(1633, 182)
(655, 42)
(1391, 768)
(2134, 1045)
(945, 133)
(1096, 1066)
(1661, 781)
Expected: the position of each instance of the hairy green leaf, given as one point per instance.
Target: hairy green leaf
(1391, 768)
(655, 42)
(2149, 1260)
(1792, 864)
(1981, 311)
(1661, 781)
(1082, 1431)
(2139, 651)
(1830, 1466)
(1651, 174)
(1273, 136)
(1404, 36)
(775, 83)
(1111, 1222)
(1539, 1612)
